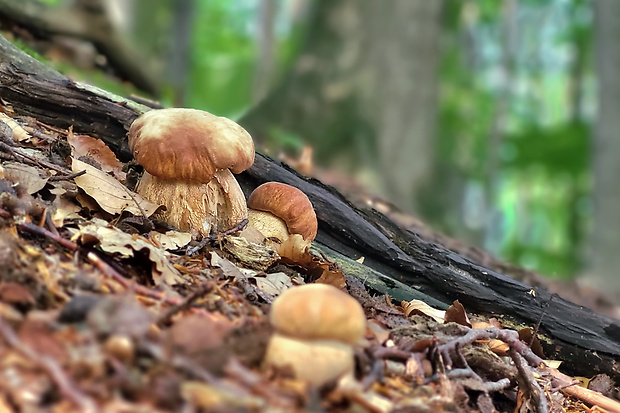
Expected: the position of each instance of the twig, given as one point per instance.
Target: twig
(105, 268)
(527, 378)
(591, 397)
(66, 387)
(66, 177)
(509, 337)
(60, 131)
(212, 238)
(204, 289)
(540, 319)
(31, 160)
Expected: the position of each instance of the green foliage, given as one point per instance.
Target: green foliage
(537, 195)
(224, 55)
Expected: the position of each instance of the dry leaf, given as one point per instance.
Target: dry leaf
(274, 284)
(171, 240)
(25, 175)
(64, 209)
(420, 307)
(456, 314)
(83, 145)
(19, 134)
(114, 241)
(109, 193)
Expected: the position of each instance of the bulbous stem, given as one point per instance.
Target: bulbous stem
(196, 207)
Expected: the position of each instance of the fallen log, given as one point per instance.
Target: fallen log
(396, 261)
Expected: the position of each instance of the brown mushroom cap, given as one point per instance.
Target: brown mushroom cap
(189, 144)
(289, 204)
(318, 312)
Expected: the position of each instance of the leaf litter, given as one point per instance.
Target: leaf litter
(103, 309)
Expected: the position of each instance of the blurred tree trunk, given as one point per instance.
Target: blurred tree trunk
(605, 244)
(363, 91)
(266, 53)
(178, 66)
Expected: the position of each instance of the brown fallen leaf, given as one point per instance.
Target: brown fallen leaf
(109, 193)
(456, 314)
(25, 175)
(171, 240)
(114, 241)
(83, 145)
(414, 307)
(19, 134)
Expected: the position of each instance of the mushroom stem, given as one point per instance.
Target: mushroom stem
(316, 361)
(194, 206)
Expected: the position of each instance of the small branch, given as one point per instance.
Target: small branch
(591, 397)
(31, 160)
(212, 238)
(527, 378)
(204, 289)
(105, 268)
(66, 177)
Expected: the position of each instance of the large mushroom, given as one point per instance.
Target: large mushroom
(189, 157)
(316, 328)
(279, 210)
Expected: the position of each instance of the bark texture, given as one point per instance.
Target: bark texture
(396, 260)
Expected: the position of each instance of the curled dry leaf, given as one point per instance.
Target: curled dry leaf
(19, 133)
(114, 241)
(109, 193)
(456, 314)
(418, 307)
(82, 145)
(25, 175)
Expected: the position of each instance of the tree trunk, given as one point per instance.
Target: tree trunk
(605, 242)
(396, 261)
(365, 80)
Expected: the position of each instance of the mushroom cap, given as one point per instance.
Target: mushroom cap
(287, 203)
(318, 312)
(189, 144)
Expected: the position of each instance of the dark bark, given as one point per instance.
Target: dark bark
(588, 342)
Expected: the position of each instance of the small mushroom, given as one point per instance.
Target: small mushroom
(279, 210)
(188, 156)
(316, 327)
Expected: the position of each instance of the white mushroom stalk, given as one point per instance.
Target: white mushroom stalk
(189, 157)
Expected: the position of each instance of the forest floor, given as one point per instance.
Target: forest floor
(105, 309)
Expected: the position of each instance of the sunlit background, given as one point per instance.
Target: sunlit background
(477, 116)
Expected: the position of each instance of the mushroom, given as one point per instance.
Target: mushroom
(188, 156)
(279, 210)
(316, 327)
